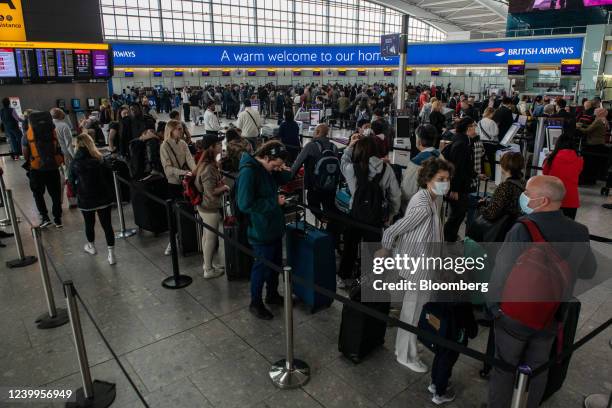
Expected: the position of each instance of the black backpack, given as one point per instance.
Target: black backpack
(369, 204)
(45, 150)
(137, 163)
(327, 169)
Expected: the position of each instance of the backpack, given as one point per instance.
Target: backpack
(190, 192)
(45, 151)
(137, 158)
(369, 204)
(327, 169)
(539, 273)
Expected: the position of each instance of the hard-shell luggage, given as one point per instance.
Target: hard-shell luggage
(361, 333)
(237, 263)
(566, 335)
(310, 253)
(150, 215)
(188, 231)
(343, 200)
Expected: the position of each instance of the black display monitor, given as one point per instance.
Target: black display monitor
(388, 73)
(8, 68)
(101, 64)
(435, 72)
(65, 63)
(316, 73)
(251, 73)
(129, 74)
(82, 64)
(271, 73)
(516, 68)
(362, 73)
(25, 61)
(342, 73)
(178, 73)
(571, 68)
(225, 73)
(157, 74)
(205, 73)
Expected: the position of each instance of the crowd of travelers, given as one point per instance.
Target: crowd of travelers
(405, 206)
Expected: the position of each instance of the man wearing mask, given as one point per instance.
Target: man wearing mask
(461, 154)
(518, 341)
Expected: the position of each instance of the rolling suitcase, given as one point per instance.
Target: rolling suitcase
(310, 253)
(237, 263)
(359, 332)
(189, 232)
(150, 215)
(474, 199)
(566, 335)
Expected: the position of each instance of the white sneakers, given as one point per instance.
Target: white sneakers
(417, 366)
(449, 396)
(91, 250)
(111, 256)
(213, 273)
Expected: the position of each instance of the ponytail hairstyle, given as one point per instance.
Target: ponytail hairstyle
(272, 150)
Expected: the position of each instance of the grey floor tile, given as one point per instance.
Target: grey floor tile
(332, 391)
(249, 328)
(170, 360)
(179, 394)
(296, 398)
(219, 339)
(240, 382)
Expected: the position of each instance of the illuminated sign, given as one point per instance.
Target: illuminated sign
(516, 67)
(12, 27)
(54, 45)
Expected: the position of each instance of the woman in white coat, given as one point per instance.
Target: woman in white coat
(419, 229)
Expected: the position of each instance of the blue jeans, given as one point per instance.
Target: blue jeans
(14, 138)
(261, 274)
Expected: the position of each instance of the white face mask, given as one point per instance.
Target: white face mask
(440, 188)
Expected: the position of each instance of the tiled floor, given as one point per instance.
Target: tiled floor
(199, 346)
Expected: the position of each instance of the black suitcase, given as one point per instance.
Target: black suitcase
(237, 263)
(359, 332)
(150, 215)
(558, 371)
(123, 171)
(189, 233)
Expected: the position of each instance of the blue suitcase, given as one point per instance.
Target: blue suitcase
(310, 253)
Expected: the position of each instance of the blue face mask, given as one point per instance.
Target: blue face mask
(524, 203)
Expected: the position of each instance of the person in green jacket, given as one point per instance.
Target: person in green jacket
(260, 176)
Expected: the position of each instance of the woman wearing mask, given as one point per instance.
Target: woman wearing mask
(91, 181)
(176, 160)
(257, 196)
(413, 234)
(565, 164)
(209, 182)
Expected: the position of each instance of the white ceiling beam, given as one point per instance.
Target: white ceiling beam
(468, 16)
(426, 3)
(435, 20)
(493, 22)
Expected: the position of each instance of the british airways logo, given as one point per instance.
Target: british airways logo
(124, 54)
(500, 52)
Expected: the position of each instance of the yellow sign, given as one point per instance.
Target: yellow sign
(571, 62)
(12, 26)
(68, 46)
(516, 62)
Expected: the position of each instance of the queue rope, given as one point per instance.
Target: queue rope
(364, 309)
(93, 321)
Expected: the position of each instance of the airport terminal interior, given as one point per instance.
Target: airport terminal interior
(213, 203)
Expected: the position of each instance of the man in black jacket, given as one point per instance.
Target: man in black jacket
(461, 154)
(503, 116)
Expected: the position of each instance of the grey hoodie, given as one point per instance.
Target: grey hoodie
(388, 182)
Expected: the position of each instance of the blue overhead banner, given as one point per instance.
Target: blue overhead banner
(533, 51)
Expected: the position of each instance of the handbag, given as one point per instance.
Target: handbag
(483, 230)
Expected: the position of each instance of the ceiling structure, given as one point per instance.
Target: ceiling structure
(483, 18)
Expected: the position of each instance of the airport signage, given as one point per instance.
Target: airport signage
(12, 26)
(389, 45)
(533, 51)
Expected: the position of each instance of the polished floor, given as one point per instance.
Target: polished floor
(200, 347)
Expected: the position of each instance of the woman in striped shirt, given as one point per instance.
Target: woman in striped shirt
(414, 235)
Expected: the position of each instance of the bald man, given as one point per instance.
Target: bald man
(516, 343)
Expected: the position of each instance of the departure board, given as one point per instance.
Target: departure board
(101, 64)
(7, 63)
(82, 64)
(45, 63)
(24, 59)
(65, 63)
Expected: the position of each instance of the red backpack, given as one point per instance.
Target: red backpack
(190, 191)
(539, 273)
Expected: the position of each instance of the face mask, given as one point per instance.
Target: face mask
(440, 188)
(524, 203)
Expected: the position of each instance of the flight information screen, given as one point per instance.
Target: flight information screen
(24, 59)
(65, 63)
(45, 63)
(7, 63)
(82, 63)
(101, 64)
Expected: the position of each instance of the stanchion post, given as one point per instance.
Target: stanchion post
(176, 281)
(6, 221)
(521, 387)
(289, 372)
(93, 394)
(56, 316)
(124, 233)
(22, 260)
